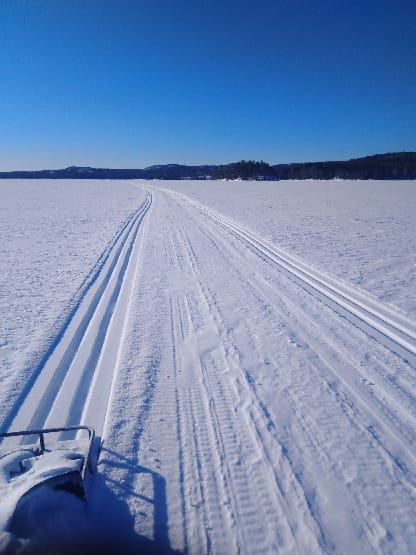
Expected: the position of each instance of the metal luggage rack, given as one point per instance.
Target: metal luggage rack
(42, 445)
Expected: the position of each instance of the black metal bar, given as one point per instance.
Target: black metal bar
(49, 430)
(42, 443)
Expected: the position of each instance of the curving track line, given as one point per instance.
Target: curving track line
(74, 383)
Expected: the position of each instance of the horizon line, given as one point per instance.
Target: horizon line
(167, 164)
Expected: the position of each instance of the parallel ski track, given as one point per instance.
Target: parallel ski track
(402, 455)
(384, 324)
(354, 402)
(384, 408)
(64, 385)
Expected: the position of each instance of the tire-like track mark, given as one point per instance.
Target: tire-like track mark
(331, 356)
(260, 440)
(201, 485)
(245, 471)
(380, 321)
(391, 393)
(334, 362)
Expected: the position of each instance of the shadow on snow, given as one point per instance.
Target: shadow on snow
(61, 523)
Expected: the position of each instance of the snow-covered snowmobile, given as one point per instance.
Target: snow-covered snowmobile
(31, 469)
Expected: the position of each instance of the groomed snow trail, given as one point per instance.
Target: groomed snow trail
(72, 384)
(261, 406)
(246, 402)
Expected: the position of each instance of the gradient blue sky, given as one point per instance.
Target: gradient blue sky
(129, 83)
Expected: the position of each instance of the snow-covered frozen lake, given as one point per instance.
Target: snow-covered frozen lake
(246, 353)
(52, 235)
(361, 231)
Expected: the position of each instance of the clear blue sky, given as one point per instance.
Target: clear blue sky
(130, 83)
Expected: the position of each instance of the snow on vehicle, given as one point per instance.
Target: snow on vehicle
(35, 474)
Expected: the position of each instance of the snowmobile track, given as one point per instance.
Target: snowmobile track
(218, 432)
(385, 324)
(377, 413)
(399, 424)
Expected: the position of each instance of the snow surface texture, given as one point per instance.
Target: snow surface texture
(247, 400)
(52, 235)
(363, 232)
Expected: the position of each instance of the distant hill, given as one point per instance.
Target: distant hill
(168, 171)
(398, 165)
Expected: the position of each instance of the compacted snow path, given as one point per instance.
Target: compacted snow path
(246, 401)
(372, 316)
(73, 384)
(274, 405)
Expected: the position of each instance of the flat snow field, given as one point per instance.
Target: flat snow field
(246, 353)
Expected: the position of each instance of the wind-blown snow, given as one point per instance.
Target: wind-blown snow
(246, 398)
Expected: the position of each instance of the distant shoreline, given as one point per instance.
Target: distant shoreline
(398, 165)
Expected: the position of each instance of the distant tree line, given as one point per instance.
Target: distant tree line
(245, 169)
(398, 165)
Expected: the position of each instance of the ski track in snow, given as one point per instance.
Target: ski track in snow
(246, 401)
(279, 420)
(331, 360)
(396, 329)
(74, 378)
